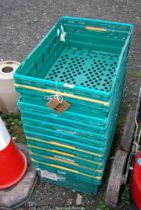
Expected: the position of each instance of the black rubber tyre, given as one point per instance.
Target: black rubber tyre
(115, 179)
(128, 132)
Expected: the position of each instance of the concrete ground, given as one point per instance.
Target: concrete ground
(24, 23)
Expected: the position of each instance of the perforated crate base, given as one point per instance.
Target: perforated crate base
(83, 67)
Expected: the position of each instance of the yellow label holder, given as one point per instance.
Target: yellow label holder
(91, 28)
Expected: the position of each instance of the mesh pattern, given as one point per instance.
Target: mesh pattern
(85, 68)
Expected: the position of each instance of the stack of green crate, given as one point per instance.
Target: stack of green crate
(83, 62)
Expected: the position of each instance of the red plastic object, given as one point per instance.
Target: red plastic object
(13, 165)
(136, 182)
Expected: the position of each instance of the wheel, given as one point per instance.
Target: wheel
(128, 132)
(116, 179)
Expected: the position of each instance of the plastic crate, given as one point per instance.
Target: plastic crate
(85, 62)
(67, 138)
(79, 56)
(43, 143)
(38, 148)
(95, 135)
(83, 151)
(97, 132)
(67, 122)
(63, 179)
(77, 106)
(51, 142)
(81, 140)
(97, 123)
(70, 133)
(95, 173)
(93, 179)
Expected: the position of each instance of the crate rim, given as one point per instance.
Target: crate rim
(98, 20)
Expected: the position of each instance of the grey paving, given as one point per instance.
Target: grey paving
(23, 23)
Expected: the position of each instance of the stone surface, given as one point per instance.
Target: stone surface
(24, 23)
(78, 199)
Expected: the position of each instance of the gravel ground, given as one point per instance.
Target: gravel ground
(23, 24)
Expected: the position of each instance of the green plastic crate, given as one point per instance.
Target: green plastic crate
(61, 132)
(40, 149)
(67, 122)
(66, 180)
(51, 142)
(82, 169)
(84, 61)
(82, 150)
(84, 176)
(42, 144)
(97, 123)
(79, 56)
(96, 133)
(77, 106)
(66, 130)
(67, 138)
